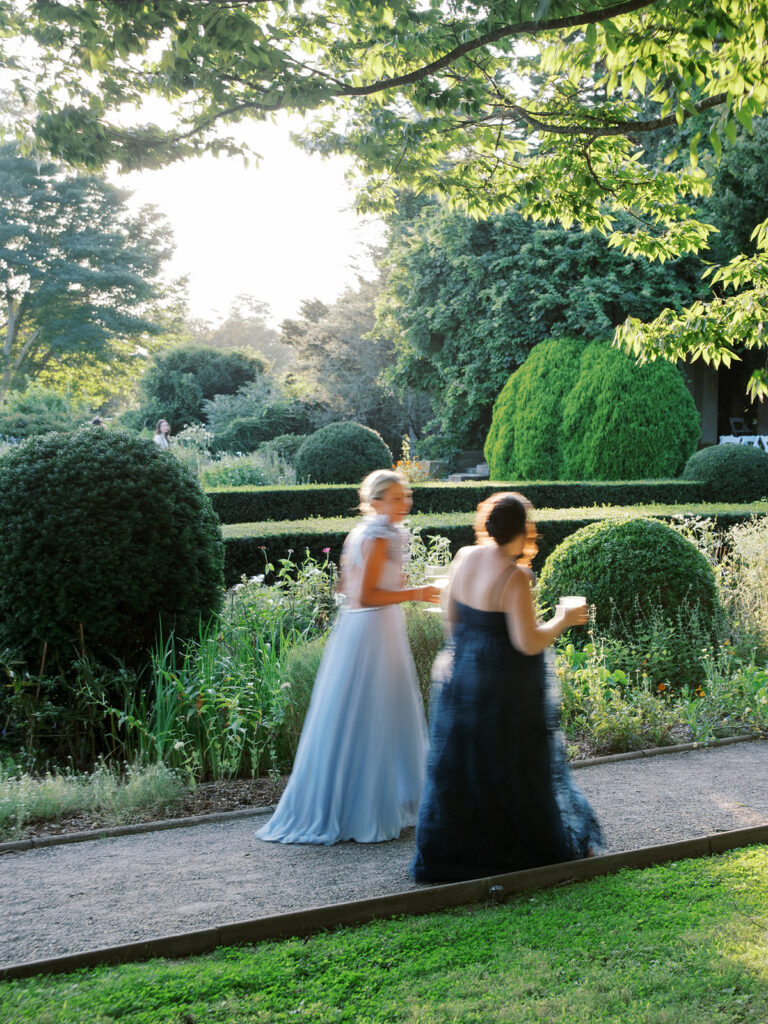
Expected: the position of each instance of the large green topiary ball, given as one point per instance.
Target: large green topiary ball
(615, 563)
(341, 453)
(730, 472)
(524, 442)
(622, 421)
(578, 411)
(102, 536)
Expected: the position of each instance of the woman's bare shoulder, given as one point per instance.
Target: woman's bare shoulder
(522, 577)
(463, 553)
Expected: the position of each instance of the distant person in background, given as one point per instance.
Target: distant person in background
(162, 436)
(97, 421)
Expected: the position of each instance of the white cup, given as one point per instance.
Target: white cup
(572, 602)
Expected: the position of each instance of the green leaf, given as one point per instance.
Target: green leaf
(717, 146)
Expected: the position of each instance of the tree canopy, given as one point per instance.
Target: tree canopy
(345, 360)
(467, 300)
(537, 104)
(78, 273)
(179, 381)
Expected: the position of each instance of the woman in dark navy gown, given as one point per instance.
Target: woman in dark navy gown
(498, 795)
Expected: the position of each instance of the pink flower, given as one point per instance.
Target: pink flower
(326, 551)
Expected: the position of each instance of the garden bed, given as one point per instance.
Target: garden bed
(240, 794)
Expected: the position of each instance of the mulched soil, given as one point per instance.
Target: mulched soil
(207, 798)
(237, 794)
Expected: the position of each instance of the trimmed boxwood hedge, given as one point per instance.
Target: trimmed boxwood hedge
(266, 504)
(248, 546)
(341, 453)
(730, 472)
(103, 538)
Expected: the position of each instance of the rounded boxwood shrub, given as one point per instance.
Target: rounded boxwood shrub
(103, 537)
(613, 563)
(731, 472)
(341, 453)
(284, 445)
(586, 411)
(641, 576)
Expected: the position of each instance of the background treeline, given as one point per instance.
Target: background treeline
(423, 350)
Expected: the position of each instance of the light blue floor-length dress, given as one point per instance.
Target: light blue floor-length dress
(360, 763)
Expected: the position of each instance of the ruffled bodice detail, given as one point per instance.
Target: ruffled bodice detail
(353, 555)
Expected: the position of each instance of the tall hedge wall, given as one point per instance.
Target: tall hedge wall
(588, 411)
(265, 504)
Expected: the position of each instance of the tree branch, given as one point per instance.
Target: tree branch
(25, 348)
(505, 32)
(590, 125)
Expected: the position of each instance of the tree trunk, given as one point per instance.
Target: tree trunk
(10, 334)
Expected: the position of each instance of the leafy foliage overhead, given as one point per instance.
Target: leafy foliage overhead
(732, 317)
(537, 103)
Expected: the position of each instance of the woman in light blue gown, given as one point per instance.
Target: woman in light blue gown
(360, 763)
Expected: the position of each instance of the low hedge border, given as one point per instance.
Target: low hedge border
(249, 546)
(267, 504)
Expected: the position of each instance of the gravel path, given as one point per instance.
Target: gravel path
(65, 899)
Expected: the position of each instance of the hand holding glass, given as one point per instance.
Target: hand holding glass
(574, 610)
(438, 577)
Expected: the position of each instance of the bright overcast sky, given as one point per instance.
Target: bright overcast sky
(282, 231)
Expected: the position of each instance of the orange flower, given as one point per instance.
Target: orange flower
(661, 687)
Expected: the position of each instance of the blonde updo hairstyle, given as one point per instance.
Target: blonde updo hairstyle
(377, 484)
(504, 516)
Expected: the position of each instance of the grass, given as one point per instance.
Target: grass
(685, 942)
(434, 520)
(115, 798)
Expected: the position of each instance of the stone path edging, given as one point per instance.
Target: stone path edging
(357, 912)
(35, 843)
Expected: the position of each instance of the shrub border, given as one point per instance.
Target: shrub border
(268, 504)
(249, 546)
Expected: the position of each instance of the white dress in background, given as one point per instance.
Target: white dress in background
(360, 763)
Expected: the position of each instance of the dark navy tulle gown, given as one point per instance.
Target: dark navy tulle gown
(498, 795)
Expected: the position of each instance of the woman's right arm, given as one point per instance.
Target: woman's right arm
(528, 635)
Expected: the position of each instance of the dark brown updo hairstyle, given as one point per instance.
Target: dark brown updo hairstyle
(504, 516)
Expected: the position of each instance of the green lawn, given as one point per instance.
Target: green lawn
(434, 520)
(684, 943)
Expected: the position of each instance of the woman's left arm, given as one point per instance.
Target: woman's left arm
(374, 596)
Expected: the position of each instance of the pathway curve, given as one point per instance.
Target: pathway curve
(65, 899)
